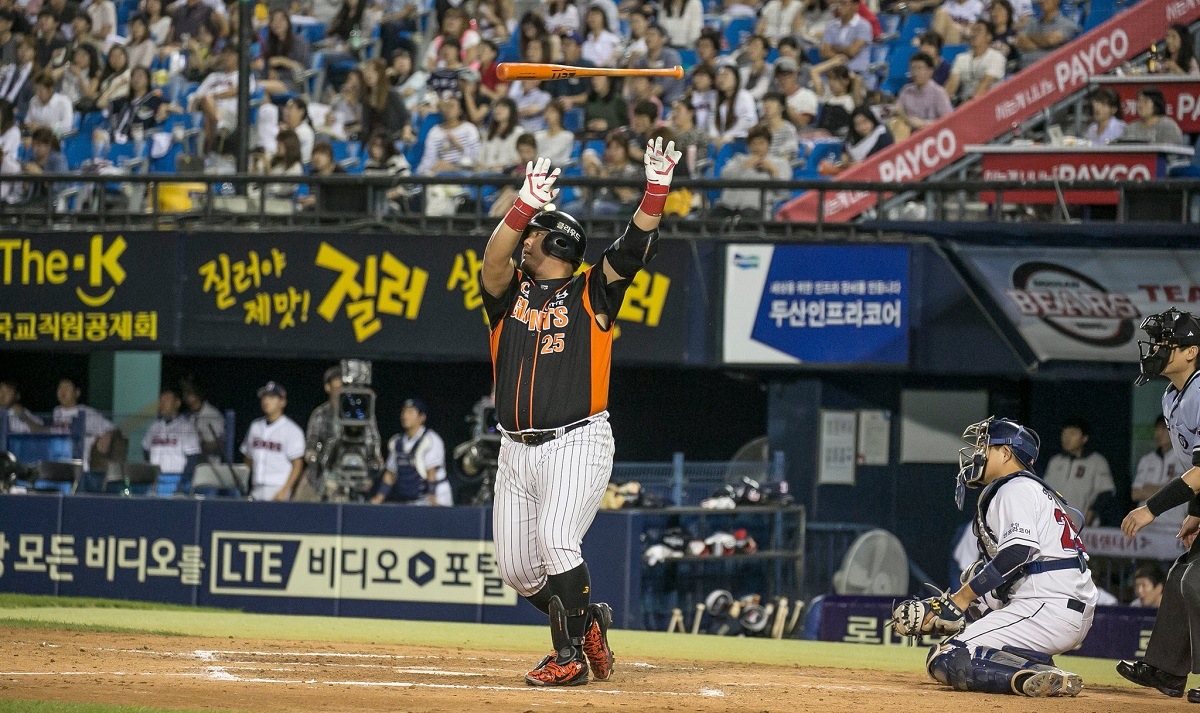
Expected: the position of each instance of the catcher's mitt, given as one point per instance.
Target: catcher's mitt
(936, 615)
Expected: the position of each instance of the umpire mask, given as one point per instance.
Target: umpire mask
(1167, 331)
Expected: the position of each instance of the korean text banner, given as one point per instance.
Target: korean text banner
(825, 304)
(1085, 304)
(79, 290)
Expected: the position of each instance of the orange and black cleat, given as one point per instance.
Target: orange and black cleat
(595, 641)
(555, 670)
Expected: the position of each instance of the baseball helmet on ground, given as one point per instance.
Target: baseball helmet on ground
(566, 240)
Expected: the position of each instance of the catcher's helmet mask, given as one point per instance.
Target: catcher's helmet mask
(1167, 331)
(565, 239)
(1023, 441)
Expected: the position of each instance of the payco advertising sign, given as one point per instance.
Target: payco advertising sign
(820, 304)
(1085, 304)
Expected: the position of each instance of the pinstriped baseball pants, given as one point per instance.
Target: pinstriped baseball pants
(545, 500)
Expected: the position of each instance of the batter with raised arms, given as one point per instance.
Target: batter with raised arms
(551, 344)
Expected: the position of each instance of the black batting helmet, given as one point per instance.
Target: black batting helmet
(566, 240)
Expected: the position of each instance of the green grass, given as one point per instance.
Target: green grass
(30, 601)
(80, 614)
(55, 707)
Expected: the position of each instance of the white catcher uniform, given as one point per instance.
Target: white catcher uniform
(1048, 612)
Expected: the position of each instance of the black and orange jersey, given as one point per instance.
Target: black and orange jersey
(550, 358)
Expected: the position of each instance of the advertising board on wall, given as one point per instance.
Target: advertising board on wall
(822, 304)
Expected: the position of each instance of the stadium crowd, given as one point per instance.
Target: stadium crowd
(781, 89)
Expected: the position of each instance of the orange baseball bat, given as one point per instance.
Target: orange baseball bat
(510, 71)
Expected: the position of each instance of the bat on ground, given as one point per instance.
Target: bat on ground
(512, 71)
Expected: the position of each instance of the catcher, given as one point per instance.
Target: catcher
(1032, 577)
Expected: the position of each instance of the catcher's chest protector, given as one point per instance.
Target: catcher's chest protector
(988, 542)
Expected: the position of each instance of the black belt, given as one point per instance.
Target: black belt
(1076, 605)
(537, 438)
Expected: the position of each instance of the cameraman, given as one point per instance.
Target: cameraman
(319, 439)
(416, 466)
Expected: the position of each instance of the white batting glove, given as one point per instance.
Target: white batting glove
(538, 188)
(660, 162)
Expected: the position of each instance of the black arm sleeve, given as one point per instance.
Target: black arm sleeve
(1194, 507)
(632, 251)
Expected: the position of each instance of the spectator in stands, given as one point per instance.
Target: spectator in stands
(490, 86)
(285, 57)
(332, 198)
(642, 124)
(703, 95)
(1148, 586)
(633, 48)
(785, 141)
(141, 46)
(1180, 55)
(188, 18)
(20, 419)
(1153, 126)
(531, 101)
(171, 442)
(1004, 24)
(344, 115)
(976, 70)
(690, 138)
(158, 23)
(478, 107)
(49, 109)
(835, 86)
(97, 430)
(397, 18)
(498, 151)
(345, 36)
(573, 91)
(682, 20)
(382, 109)
(637, 90)
(708, 51)
(848, 37)
(383, 159)
(455, 27)
(930, 43)
(532, 29)
(734, 113)
(1105, 127)
(408, 81)
(1052, 31)
(205, 418)
(922, 101)
(561, 16)
(660, 56)
(10, 152)
(17, 81)
(64, 11)
(527, 150)
(779, 19)
(867, 137)
(79, 80)
(216, 99)
(1079, 477)
(273, 448)
(600, 42)
(45, 157)
(143, 106)
(609, 200)
(452, 145)
(1154, 470)
(800, 102)
(554, 142)
(8, 39)
(494, 20)
(114, 80)
(81, 36)
(954, 18)
(295, 118)
(757, 74)
(605, 108)
(19, 22)
(49, 42)
(732, 9)
(103, 14)
(323, 11)
(757, 164)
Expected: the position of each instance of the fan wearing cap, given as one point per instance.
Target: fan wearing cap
(1173, 351)
(551, 338)
(274, 448)
(416, 464)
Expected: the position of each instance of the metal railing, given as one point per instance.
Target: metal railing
(189, 201)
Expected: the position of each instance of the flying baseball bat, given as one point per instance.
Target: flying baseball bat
(510, 71)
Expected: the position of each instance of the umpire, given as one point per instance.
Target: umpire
(1174, 647)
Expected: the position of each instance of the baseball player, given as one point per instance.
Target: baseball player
(171, 442)
(416, 465)
(97, 430)
(1032, 575)
(1174, 647)
(205, 418)
(20, 419)
(551, 343)
(274, 448)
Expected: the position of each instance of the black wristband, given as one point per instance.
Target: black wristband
(1170, 495)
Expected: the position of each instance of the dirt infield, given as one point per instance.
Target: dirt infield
(256, 675)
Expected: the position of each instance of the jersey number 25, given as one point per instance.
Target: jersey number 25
(1070, 541)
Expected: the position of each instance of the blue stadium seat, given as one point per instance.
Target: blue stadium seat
(737, 31)
(89, 121)
(821, 150)
(573, 120)
(897, 75)
(313, 33)
(167, 162)
(688, 57)
(347, 155)
(77, 148)
(510, 52)
(169, 484)
(915, 25)
(949, 52)
(34, 447)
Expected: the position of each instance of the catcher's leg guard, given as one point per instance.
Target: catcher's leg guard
(990, 670)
